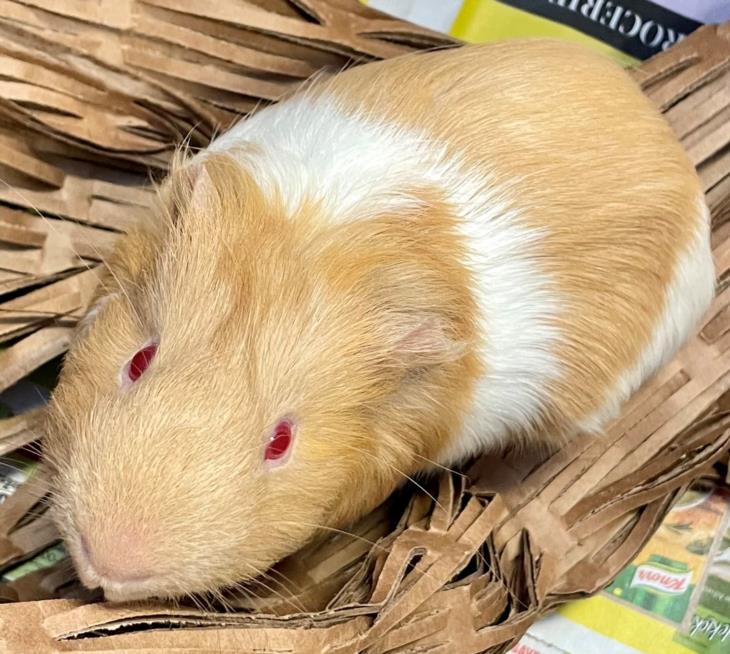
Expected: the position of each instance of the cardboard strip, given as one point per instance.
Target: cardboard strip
(224, 50)
(33, 351)
(21, 236)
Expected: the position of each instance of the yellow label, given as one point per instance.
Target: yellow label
(489, 21)
(624, 624)
(485, 21)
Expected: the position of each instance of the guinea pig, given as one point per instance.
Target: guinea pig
(394, 269)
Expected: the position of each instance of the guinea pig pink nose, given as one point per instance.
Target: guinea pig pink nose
(121, 556)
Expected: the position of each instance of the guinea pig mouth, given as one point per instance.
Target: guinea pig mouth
(130, 586)
(123, 590)
(128, 591)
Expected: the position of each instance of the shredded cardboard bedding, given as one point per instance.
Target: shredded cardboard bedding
(94, 97)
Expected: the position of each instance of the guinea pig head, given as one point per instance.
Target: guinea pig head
(245, 379)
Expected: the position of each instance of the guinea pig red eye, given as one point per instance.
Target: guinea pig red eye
(279, 442)
(140, 362)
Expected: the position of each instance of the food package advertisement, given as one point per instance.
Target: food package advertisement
(674, 598)
(628, 30)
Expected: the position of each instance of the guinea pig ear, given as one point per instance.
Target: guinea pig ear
(201, 186)
(186, 189)
(107, 290)
(423, 340)
(87, 320)
(202, 190)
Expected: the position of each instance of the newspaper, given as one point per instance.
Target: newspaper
(18, 468)
(674, 598)
(628, 30)
(15, 470)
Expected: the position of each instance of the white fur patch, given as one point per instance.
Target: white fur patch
(309, 149)
(687, 299)
(517, 304)
(358, 167)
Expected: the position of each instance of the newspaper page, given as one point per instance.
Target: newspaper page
(628, 30)
(674, 598)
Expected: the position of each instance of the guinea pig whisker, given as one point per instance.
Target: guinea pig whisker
(220, 599)
(289, 600)
(239, 588)
(48, 500)
(285, 580)
(46, 469)
(195, 599)
(47, 464)
(243, 596)
(438, 465)
(66, 422)
(33, 447)
(209, 599)
(334, 530)
(203, 601)
(400, 472)
(43, 399)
